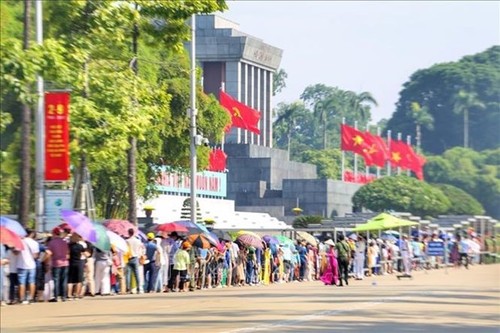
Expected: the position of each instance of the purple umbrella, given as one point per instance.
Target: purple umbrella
(270, 240)
(80, 224)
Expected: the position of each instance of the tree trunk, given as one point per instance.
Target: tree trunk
(132, 152)
(25, 179)
(418, 138)
(466, 128)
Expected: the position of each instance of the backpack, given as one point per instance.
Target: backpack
(343, 249)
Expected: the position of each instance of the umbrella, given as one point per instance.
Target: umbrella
(171, 227)
(80, 224)
(250, 240)
(117, 241)
(384, 221)
(199, 240)
(389, 238)
(12, 226)
(391, 232)
(270, 239)
(102, 243)
(307, 237)
(283, 240)
(353, 236)
(120, 227)
(221, 234)
(10, 238)
(195, 228)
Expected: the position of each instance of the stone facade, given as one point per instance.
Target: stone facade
(263, 179)
(243, 66)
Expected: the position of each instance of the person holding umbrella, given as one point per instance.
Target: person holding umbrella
(60, 254)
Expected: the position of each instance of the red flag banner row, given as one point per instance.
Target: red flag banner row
(242, 116)
(360, 178)
(217, 160)
(375, 150)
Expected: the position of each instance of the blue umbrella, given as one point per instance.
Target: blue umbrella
(13, 226)
(390, 238)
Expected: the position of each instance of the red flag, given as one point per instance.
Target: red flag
(217, 160)
(355, 141)
(378, 150)
(399, 152)
(242, 116)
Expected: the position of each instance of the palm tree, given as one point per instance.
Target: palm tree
(287, 118)
(422, 117)
(464, 102)
(360, 105)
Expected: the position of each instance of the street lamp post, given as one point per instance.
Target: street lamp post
(192, 114)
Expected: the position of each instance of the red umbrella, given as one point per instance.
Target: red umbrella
(10, 238)
(119, 227)
(171, 227)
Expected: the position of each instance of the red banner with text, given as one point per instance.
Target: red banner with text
(56, 136)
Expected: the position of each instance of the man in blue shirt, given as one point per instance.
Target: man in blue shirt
(150, 268)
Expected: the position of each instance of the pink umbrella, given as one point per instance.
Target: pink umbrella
(10, 238)
(120, 227)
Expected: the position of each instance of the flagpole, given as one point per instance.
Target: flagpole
(378, 167)
(367, 168)
(399, 139)
(223, 141)
(390, 152)
(343, 154)
(40, 131)
(408, 142)
(356, 158)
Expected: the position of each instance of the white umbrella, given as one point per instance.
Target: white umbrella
(117, 241)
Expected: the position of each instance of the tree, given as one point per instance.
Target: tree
(476, 173)
(422, 118)
(327, 162)
(464, 102)
(303, 222)
(95, 39)
(461, 202)
(279, 81)
(402, 194)
(437, 88)
(287, 119)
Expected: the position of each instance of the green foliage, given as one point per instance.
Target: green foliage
(304, 220)
(327, 162)
(448, 90)
(462, 203)
(88, 49)
(476, 173)
(402, 194)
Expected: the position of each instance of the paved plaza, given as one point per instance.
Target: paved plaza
(452, 300)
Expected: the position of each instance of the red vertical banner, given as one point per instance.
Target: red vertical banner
(56, 136)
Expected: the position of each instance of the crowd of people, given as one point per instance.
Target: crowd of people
(63, 267)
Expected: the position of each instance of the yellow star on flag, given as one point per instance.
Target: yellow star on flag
(236, 112)
(372, 149)
(357, 140)
(396, 157)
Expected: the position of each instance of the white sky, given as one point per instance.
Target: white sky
(366, 45)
